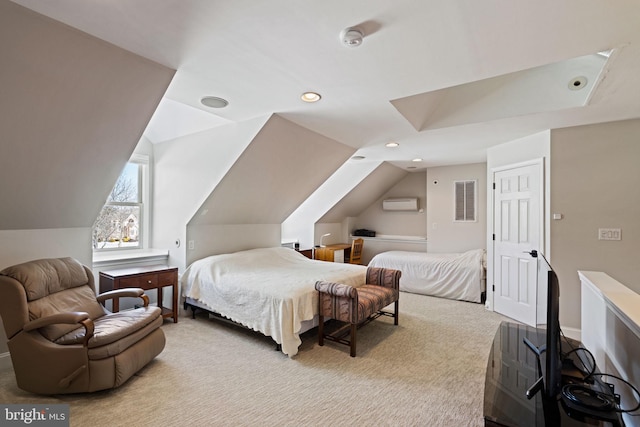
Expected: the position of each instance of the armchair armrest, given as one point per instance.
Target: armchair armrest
(70, 318)
(336, 289)
(387, 277)
(125, 292)
(337, 300)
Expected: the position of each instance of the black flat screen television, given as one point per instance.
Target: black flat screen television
(550, 381)
(553, 356)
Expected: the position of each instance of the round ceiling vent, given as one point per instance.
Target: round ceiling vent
(214, 102)
(577, 83)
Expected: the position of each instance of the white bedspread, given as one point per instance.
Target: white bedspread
(270, 290)
(455, 276)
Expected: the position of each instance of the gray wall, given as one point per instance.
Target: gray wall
(591, 179)
(436, 202)
(398, 223)
(595, 184)
(445, 235)
(71, 113)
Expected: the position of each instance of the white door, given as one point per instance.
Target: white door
(518, 198)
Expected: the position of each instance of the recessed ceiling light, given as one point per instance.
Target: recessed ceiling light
(417, 159)
(310, 97)
(391, 144)
(357, 158)
(214, 102)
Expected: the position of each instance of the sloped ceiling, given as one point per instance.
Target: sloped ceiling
(261, 56)
(552, 87)
(365, 193)
(72, 109)
(281, 167)
(446, 79)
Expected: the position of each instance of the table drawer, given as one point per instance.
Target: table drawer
(148, 281)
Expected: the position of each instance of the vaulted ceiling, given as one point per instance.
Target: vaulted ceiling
(72, 109)
(444, 78)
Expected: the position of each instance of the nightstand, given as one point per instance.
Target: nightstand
(306, 252)
(148, 277)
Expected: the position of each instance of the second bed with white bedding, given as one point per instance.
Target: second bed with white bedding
(458, 276)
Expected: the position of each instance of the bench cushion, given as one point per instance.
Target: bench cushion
(372, 298)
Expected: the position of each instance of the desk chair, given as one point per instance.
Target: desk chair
(356, 251)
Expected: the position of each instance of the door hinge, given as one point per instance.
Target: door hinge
(493, 288)
(494, 185)
(494, 236)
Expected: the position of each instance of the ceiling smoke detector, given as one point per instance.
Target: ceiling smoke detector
(351, 37)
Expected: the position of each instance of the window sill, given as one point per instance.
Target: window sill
(134, 256)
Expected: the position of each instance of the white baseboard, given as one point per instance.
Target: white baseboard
(5, 361)
(573, 333)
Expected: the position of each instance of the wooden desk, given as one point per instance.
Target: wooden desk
(334, 253)
(148, 277)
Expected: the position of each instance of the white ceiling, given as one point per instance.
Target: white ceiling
(444, 78)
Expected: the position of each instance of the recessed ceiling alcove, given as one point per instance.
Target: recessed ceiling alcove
(552, 87)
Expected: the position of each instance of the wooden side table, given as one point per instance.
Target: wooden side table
(148, 277)
(306, 252)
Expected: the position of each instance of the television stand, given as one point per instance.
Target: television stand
(513, 369)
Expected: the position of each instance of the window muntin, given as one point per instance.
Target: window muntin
(120, 222)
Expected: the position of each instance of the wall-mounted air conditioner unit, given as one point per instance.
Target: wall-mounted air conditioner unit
(405, 204)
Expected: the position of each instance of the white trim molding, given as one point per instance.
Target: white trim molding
(611, 330)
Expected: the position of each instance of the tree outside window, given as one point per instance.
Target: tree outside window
(119, 223)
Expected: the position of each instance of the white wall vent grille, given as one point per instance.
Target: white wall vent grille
(465, 201)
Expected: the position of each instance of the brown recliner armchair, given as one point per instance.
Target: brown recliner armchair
(61, 338)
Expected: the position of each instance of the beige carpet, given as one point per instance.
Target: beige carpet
(428, 371)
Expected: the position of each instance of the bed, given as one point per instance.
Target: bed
(269, 290)
(459, 276)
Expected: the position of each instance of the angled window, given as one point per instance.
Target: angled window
(465, 201)
(121, 222)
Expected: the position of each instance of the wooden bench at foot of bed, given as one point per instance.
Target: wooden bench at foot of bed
(357, 306)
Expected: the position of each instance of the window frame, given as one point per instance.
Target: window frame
(143, 204)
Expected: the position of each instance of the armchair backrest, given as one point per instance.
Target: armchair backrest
(40, 288)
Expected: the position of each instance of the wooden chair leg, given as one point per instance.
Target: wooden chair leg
(320, 330)
(354, 328)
